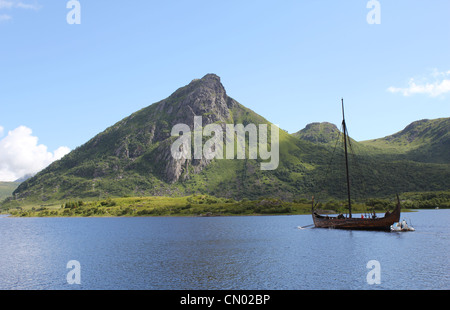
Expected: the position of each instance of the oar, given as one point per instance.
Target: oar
(301, 227)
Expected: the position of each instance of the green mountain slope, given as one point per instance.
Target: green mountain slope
(422, 141)
(325, 133)
(417, 157)
(133, 158)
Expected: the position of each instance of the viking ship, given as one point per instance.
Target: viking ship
(348, 222)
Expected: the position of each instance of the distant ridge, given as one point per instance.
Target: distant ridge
(24, 178)
(6, 189)
(319, 133)
(424, 140)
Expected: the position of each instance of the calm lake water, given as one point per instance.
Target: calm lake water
(248, 253)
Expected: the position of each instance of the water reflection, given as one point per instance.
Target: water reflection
(220, 253)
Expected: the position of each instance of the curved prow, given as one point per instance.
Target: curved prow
(396, 213)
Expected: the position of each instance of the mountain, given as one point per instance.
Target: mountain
(413, 159)
(423, 141)
(319, 133)
(133, 158)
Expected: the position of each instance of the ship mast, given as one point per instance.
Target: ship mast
(346, 160)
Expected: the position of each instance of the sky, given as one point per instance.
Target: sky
(290, 61)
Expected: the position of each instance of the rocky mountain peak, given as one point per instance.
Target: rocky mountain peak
(204, 97)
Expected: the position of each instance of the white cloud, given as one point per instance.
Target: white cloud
(11, 4)
(20, 154)
(437, 84)
(27, 6)
(4, 17)
(15, 4)
(4, 4)
(1, 131)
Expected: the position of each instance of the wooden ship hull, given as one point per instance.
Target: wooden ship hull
(382, 223)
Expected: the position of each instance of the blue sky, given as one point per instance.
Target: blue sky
(289, 61)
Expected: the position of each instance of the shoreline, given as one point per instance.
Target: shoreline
(189, 215)
(206, 206)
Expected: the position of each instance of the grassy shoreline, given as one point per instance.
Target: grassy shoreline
(190, 206)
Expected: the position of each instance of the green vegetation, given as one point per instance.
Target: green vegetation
(325, 133)
(195, 205)
(421, 141)
(206, 205)
(427, 200)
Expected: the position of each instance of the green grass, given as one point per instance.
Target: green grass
(206, 205)
(423, 141)
(195, 205)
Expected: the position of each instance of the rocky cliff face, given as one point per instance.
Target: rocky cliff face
(204, 97)
(151, 127)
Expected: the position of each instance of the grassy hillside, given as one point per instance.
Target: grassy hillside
(422, 141)
(325, 133)
(6, 189)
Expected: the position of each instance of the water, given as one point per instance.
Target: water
(250, 253)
